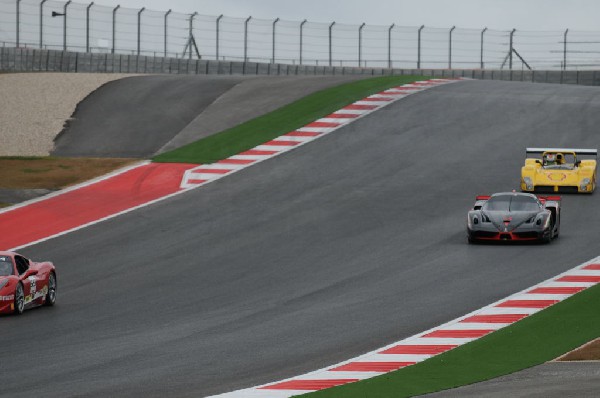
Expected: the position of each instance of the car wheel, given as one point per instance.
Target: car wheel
(51, 295)
(550, 235)
(19, 300)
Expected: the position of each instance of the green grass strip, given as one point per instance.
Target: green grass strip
(281, 121)
(529, 342)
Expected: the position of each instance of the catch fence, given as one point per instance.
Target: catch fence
(92, 28)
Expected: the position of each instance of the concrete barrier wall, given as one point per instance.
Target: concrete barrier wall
(34, 60)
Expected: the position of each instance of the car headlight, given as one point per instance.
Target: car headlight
(528, 183)
(3, 283)
(472, 221)
(584, 183)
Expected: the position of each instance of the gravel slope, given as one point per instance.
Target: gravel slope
(31, 114)
(181, 109)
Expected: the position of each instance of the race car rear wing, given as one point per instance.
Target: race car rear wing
(578, 151)
(552, 198)
(545, 199)
(479, 200)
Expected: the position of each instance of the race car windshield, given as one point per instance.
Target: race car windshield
(511, 203)
(6, 267)
(556, 161)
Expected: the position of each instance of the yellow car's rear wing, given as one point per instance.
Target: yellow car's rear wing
(577, 151)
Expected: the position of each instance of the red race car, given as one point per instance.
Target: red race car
(25, 284)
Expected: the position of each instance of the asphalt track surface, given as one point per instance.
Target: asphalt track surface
(137, 117)
(334, 249)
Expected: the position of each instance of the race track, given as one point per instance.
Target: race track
(310, 258)
(139, 116)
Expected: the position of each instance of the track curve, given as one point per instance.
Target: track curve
(327, 252)
(142, 115)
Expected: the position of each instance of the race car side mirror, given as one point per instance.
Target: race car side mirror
(538, 161)
(29, 273)
(577, 163)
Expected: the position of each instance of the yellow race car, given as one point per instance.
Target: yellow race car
(559, 170)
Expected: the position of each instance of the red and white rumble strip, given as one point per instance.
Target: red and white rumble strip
(210, 172)
(141, 185)
(437, 340)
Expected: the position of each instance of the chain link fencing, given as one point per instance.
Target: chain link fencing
(96, 29)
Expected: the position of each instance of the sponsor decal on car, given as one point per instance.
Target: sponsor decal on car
(32, 297)
(32, 284)
(557, 176)
(7, 298)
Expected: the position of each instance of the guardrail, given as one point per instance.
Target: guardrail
(32, 60)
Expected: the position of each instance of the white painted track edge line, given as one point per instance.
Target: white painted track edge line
(418, 336)
(76, 186)
(151, 202)
(90, 182)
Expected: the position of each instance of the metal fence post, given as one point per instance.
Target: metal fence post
(139, 29)
(191, 33)
(217, 38)
(87, 27)
(246, 38)
(360, 44)
(450, 47)
(18, 20)
(114, 20)
(301, 35)
(65, 25)
(390, 45)
(419, 47)
(42, 23)
(481, 53)
(330, 41)
(565, 51)
(510, 54)
(166, 31)
(273, 58)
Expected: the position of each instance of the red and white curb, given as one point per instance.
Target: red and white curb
(437, 340)
(75, 187)
(210, 172)
(146, 183)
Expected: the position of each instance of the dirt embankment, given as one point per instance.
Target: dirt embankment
(34, 107)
